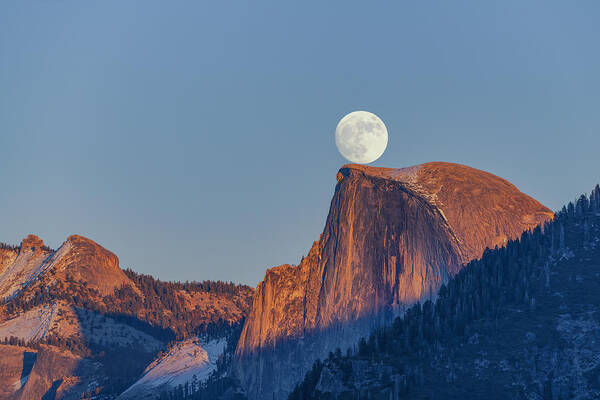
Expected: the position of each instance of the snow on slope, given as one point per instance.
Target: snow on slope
(183, 361)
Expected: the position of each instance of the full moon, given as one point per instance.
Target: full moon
(361, 137)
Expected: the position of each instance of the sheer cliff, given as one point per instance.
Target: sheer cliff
(392, 237)
(519, 323)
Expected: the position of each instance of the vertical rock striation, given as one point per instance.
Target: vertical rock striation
(392, 237)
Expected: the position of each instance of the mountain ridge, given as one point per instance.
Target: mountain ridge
(76, 300)
(391, 238)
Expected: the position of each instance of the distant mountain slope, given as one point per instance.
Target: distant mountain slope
(520, 323)
(60, 320)
(77, 260)
(392, 237)
(77, 299)
(185, 309)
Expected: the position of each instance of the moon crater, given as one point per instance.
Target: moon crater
(361, 137)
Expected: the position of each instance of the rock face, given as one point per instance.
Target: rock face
(44, 373)
(519, 323)
(392, 237)
(78, 259)
(73, 324)
(19, 266)
(86, 261)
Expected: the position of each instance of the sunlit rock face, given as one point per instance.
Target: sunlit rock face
(45, 373)
(392, 237)
(75, 302)
(78, 259)
(18, 266)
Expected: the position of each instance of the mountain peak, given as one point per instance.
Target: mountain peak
(482, 209)
(392, 237)
(81, 239)
(32, 242)
(88, 261)
(78, 259)
(416, 173)
(92, 254)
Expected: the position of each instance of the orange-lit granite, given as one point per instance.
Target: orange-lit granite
(392, 237)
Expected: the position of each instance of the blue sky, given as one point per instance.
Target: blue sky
(195, 139)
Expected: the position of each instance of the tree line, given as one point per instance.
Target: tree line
(511, 275)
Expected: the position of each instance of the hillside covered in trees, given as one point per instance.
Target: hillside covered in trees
(166, 310)
(67, 306)
(519, 323)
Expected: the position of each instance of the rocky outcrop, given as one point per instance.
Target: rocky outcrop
(20, 266)
(392, 237)
(45, 373)
(83, 260)
(78, 260)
